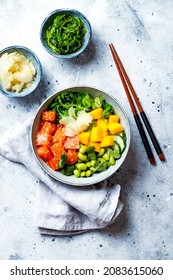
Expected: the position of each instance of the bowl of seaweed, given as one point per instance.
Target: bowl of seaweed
(65, 33)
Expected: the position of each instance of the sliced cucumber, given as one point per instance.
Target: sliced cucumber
(123, 135)
(121, 142)
(117, 147)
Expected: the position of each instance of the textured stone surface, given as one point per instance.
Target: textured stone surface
(142, 34)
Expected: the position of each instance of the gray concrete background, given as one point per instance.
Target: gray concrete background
(142, 34)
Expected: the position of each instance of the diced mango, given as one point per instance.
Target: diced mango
(96, 113)
(113, 119)
(103, 124)
(107, 141)
(96, 134)
(105, 133)
(96, 146)
(84, 137)
(115, 128)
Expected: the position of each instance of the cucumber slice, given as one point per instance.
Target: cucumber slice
(123, 135)
(121, 142)
(117, 147)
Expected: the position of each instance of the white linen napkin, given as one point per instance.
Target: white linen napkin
(62, 209)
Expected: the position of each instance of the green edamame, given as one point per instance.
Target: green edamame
(81, 166)
(93, 163)
(83, 174)
(83, 149)
(76, 173)
(88, 164)
(106, 156)
(112, 161)
(92, 169)
(101, 153)
(101, 160)
(82, 157)
(88, 173)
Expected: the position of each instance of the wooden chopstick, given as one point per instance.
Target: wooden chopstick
(133, 108)
(142, 113)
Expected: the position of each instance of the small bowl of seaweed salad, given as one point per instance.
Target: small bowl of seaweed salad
(65, 33)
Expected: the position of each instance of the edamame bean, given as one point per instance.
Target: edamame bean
(93, 163)
(101, 153)
(106, 156)
(81, 166)
(92, 169)
(88, 164)
(76, 173)
(83, 174)
(101, 160)
(112, 161)
(82, 157)
(83, 149)
(88, 173)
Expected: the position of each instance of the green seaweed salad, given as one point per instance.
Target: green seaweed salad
(79, 101)
(66, 34)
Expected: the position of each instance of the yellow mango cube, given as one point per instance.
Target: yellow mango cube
(96, 146)
(113, 119)
(107, 141)
(84, 137)
(103, 124)
(115, 128)
(96, 134)
(96, 113)
(105, 133)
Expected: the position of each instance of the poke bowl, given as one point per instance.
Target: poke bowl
(80, 135)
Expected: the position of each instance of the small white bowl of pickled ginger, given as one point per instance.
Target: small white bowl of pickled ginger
(20, 71)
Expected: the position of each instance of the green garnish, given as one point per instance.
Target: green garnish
(63, 160)
(66, 34)
(115, 154)
(100, 167)
(107, 110)
(68, 170)
(90, 149)
(79, 101)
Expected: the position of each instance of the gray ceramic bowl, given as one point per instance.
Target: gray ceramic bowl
(37, 65)
(49, 20)
(96, 177)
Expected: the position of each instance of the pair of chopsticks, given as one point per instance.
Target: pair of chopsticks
(130, 90)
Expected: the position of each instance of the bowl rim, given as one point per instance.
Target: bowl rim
(74, 54)
(59, 92)
(29, 51)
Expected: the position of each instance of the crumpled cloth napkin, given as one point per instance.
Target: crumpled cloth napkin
(61, 209)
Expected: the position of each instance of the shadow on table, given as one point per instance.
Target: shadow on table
(83, 59)
(125, 176)
(87, 56)
(34, 99)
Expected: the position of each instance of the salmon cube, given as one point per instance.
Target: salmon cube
(48, 116)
